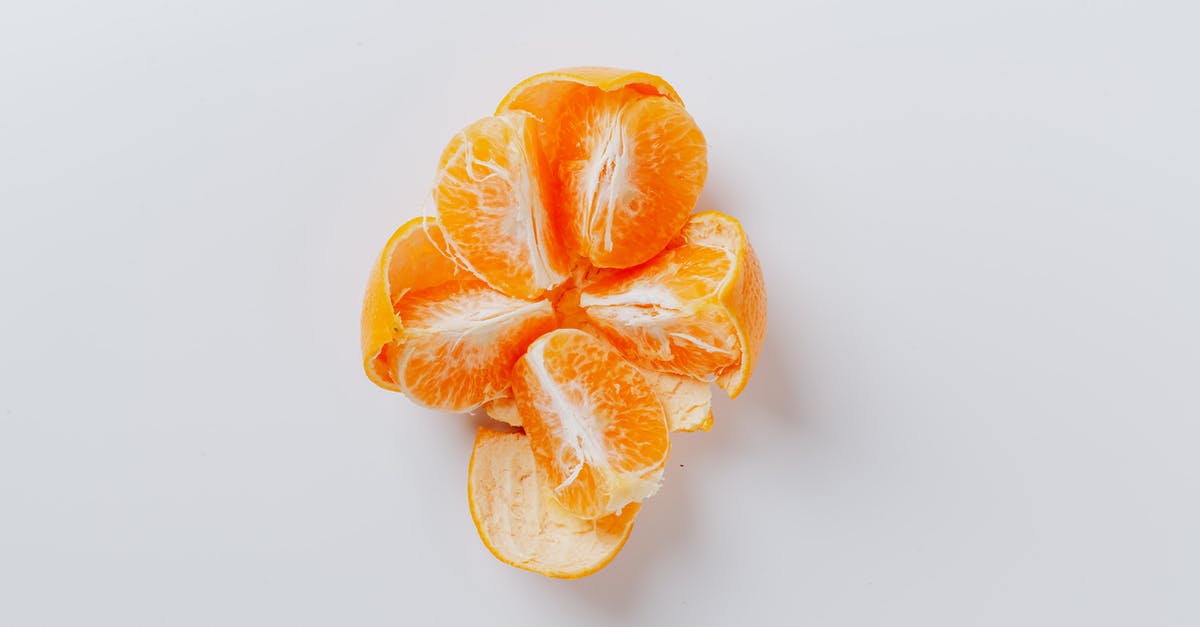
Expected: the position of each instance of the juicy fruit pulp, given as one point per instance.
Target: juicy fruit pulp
(697, 309)
(631, 169)
(462, 340)
(598, 431)
(494, 206)
(410, 260)
(566, 287)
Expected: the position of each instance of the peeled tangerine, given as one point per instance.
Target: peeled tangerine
(566, 287)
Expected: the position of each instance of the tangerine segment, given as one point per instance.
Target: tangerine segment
(686, 402)
(697, 309)
(519, 521)
(744, 296)
(694, 340)
(664, 314)
(630, 170)
(410, 260)
(599, 433)
(461, 340)
(495, 208)
(543, 94)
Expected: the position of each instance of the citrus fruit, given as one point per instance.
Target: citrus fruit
(461, 339)
(566, 287)
(543, 95)
(410, 260)
(686, 402)
(697, 309)
(520, 522)
(495, 207)
(630, 169)
(629, 160)
(598, 432)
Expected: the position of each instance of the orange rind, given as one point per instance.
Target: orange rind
(541, 94)
(520, 522)
(410, 260)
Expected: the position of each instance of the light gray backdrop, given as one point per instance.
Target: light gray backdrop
(977, 405)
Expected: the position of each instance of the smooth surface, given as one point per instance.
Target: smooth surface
(979, 226)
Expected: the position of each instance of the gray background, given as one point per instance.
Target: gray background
(977, 405)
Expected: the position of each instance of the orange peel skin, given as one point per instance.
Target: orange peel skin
(411, 259)
(522, 525)
(744, 297)
(538, 93)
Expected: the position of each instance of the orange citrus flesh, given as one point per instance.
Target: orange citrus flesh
(686, 402)
(520, 522)
(410, 260)
(461, 341)
(543, 95)
(697, 309)
(630, 169)
(496, 209)
(628, 159)
(598, 432)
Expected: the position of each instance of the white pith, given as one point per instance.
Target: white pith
(642, 293)
(605, 177)
(529, 189)
(474, 322)
(523, 221)
(702, 344)
(486, 312)
(576, 423)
